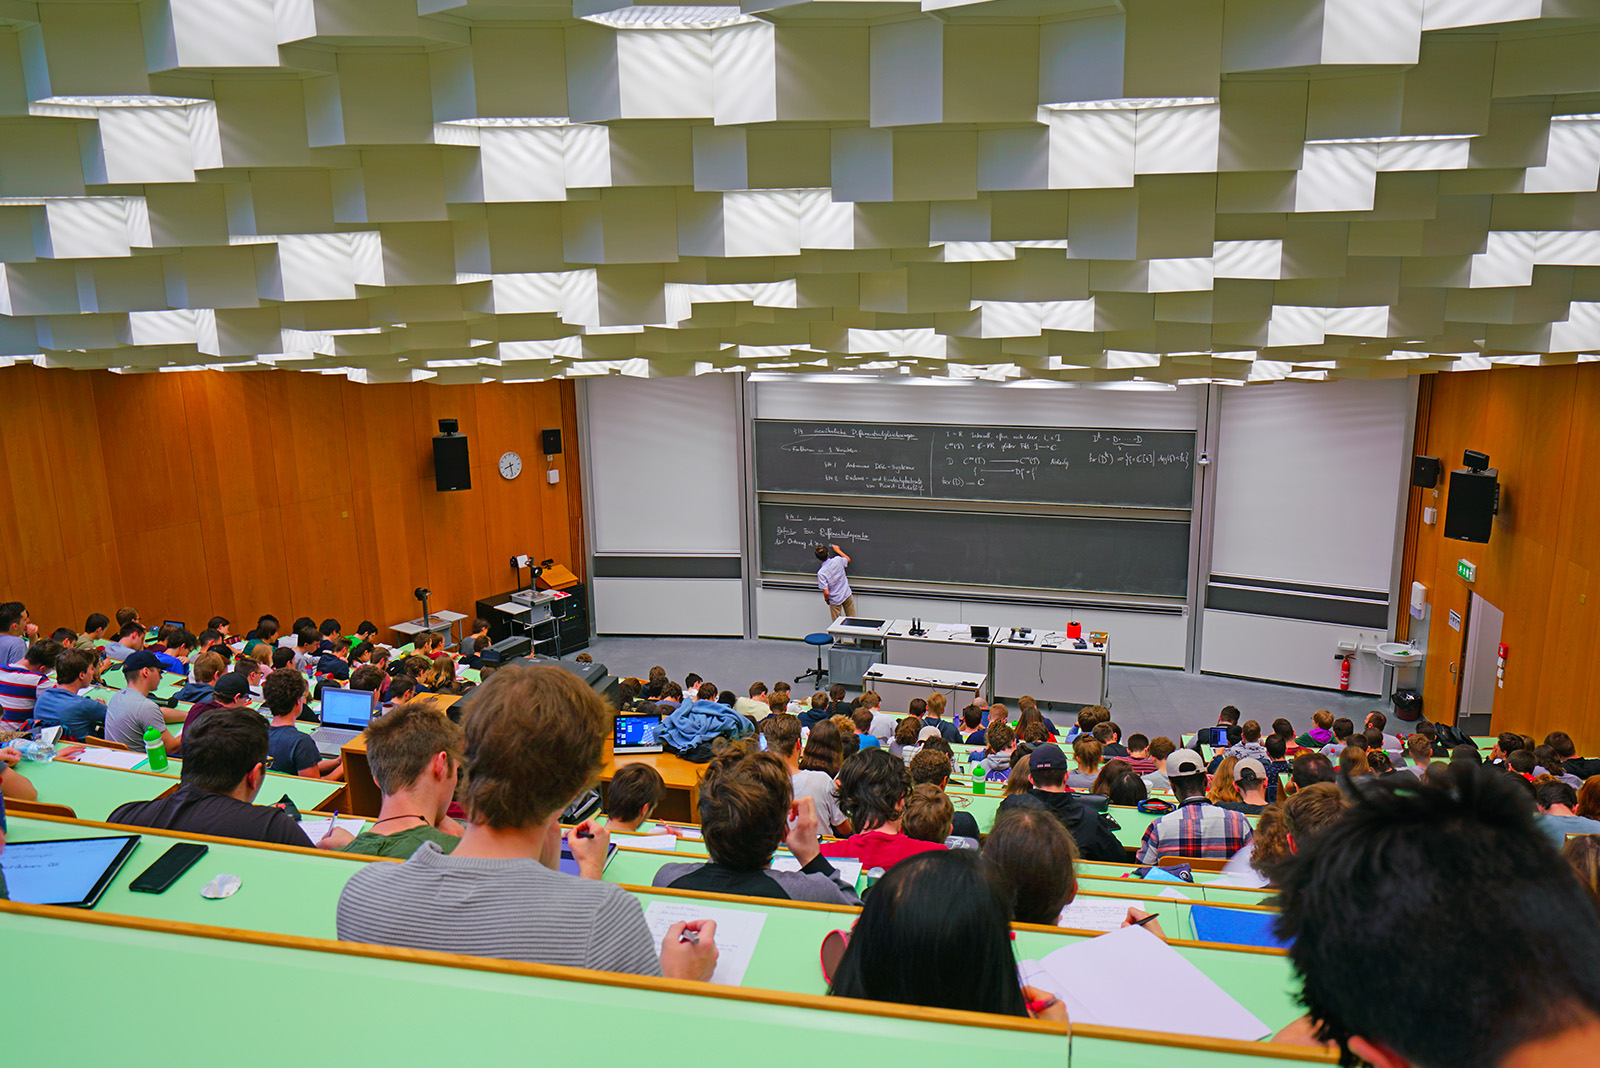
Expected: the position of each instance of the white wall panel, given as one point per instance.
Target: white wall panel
(978, 403)
(670, 607)
(663, 455)
(1287, 650)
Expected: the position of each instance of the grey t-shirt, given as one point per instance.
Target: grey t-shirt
(128, 714)
(818, 785)
(514, 909)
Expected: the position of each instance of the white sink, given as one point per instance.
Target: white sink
(1399, 654)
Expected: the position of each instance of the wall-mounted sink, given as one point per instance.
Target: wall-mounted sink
(1399, 654)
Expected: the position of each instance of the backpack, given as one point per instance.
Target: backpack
(1450, 737)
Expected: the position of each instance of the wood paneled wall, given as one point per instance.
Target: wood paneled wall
(1541, 429)
(200, 493)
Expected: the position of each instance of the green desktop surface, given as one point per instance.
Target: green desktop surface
(386, 1010)
(296, 894)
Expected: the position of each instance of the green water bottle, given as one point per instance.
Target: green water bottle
(153, 748)
(977, 778)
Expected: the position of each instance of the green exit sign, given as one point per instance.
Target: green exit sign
(1467, 570)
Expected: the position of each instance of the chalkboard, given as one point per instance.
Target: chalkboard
(1032, 465)
(1132, 556)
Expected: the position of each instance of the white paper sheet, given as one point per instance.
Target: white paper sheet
(668, 842)
(1106, 980)
(848, 868)
(1095, 913)
(738, 930)
(317, 828)
(109, 758)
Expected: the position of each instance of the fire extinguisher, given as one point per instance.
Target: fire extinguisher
(1344, 673)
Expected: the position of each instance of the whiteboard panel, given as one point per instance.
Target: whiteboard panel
(1308, 478)
(664, 464)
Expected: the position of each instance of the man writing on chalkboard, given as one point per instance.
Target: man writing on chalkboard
(832, 582)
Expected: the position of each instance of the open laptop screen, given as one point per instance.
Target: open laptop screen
(636, 732)
(346, 708)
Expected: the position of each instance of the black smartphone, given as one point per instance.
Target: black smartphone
(163, 873)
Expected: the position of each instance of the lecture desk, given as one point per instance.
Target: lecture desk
(682, 779)
(293, 896)
(496, 1008)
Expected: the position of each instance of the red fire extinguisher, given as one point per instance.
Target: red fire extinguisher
(1344, 673)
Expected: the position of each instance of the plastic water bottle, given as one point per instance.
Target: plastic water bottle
(38, 752)
(154, 749)
(978, 777)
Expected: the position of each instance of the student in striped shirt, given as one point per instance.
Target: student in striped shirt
(21, 682)
(534, 740)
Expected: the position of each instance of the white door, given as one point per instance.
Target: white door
(1478, 662)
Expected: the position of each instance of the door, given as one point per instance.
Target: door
(1478, 678)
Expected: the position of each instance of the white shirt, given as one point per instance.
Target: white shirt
(818, 785)
(831, 580)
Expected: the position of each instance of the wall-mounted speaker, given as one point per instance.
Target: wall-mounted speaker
(1470, 508)
(551, 439)
(452, 469)
(1425, 471)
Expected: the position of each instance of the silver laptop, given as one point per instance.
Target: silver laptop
(636, 734)
(345, 714)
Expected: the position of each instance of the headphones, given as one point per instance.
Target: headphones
(1155, 806)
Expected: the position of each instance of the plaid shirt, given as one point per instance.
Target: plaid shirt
(1197, 829)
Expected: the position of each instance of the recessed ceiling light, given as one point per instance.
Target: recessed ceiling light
(648, 17)
(1132, 103)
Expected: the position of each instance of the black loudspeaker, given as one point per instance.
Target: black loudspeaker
(451, 468)
(1471, 506)
(552, 442)
(1425, 471)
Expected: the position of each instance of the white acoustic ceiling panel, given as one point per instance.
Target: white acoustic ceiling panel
(1068, 190)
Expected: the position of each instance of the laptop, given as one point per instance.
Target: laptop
(345, 714)
(636, 734)
(979, 633)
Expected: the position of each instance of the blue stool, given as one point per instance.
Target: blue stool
(819, 672)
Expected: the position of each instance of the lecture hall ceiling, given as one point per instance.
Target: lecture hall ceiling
(1155, 190)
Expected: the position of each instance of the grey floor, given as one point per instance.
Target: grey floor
(1151, 701)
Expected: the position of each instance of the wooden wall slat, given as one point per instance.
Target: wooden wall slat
(241, 493)
(1540, 427)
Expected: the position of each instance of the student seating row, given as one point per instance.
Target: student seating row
(294, 891)
(498, 1010)
(93, 792)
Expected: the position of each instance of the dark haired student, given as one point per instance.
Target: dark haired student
(1508, 978)
(873, 786)
(936, 932)
(745, 809)
(224, 765)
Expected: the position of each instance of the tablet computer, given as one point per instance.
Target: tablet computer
(71, 872)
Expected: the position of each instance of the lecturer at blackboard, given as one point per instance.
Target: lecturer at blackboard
(832, 582)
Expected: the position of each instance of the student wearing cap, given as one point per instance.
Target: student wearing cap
(1047, 767)
(1250, 776)
(1198, 828)
(130, 712)
(231, 690)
